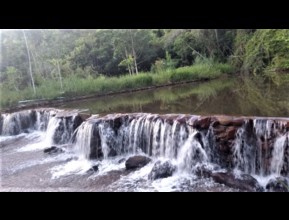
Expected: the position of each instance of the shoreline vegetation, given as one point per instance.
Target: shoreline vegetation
(42, 65)
(75, 88)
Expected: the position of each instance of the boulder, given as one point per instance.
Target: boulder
(243, 182)
(53, 150)
(162, 170)
(279, 184)
(136, 162)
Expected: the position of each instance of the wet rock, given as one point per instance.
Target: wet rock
(84, 116)
(243, 182)
(121, 160)
(279, 184)
(202, 123)
(162, 170)
(230, 132)
(1, 123)
(53, 150)
(229, 121)
(93, 169)
(203, 172)
(112, 153)
(198, 137)
(71, 159)
(136, 162)
(227, 133)
(219, 129)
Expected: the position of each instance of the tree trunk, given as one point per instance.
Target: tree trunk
(59, 73)
(128, 65)
(133, 53)
(30, 67)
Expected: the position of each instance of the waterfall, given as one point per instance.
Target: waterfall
(25, 121)
(260, 147)
(278, 154)
(83, 140)
(191, 153)
(145, 133)
(256, 146)
(50, 132)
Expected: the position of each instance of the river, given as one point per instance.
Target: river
(25, 167)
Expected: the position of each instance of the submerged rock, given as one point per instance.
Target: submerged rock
(279, 184)
(162, 170)
(121, 160)
(93, 169)
(53, 150)
(136, 162)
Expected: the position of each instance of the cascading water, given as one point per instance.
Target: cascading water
(258, 146)
(83, 140)
(278, 154)
(25, 121)
(191, 153)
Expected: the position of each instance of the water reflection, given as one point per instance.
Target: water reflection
(231, 96)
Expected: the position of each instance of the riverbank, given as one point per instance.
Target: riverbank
(75, 88)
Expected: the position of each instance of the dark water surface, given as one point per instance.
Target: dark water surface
(248, 97)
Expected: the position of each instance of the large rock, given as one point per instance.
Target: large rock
(162, 170)
(242, 182)
(279, 184)
(136, 162)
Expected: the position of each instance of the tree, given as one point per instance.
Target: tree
(30, 67)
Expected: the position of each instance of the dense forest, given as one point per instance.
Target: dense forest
(41, 64)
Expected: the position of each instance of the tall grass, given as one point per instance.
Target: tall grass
(73, 85)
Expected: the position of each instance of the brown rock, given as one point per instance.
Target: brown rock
(230, 121)
(244, 182)
(219, 129)
(202, 123)
(230, 132)
(224, 120)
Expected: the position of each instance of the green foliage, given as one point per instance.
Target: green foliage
(96, 61)
(76, 85)
(267, 50)
(200, 71)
